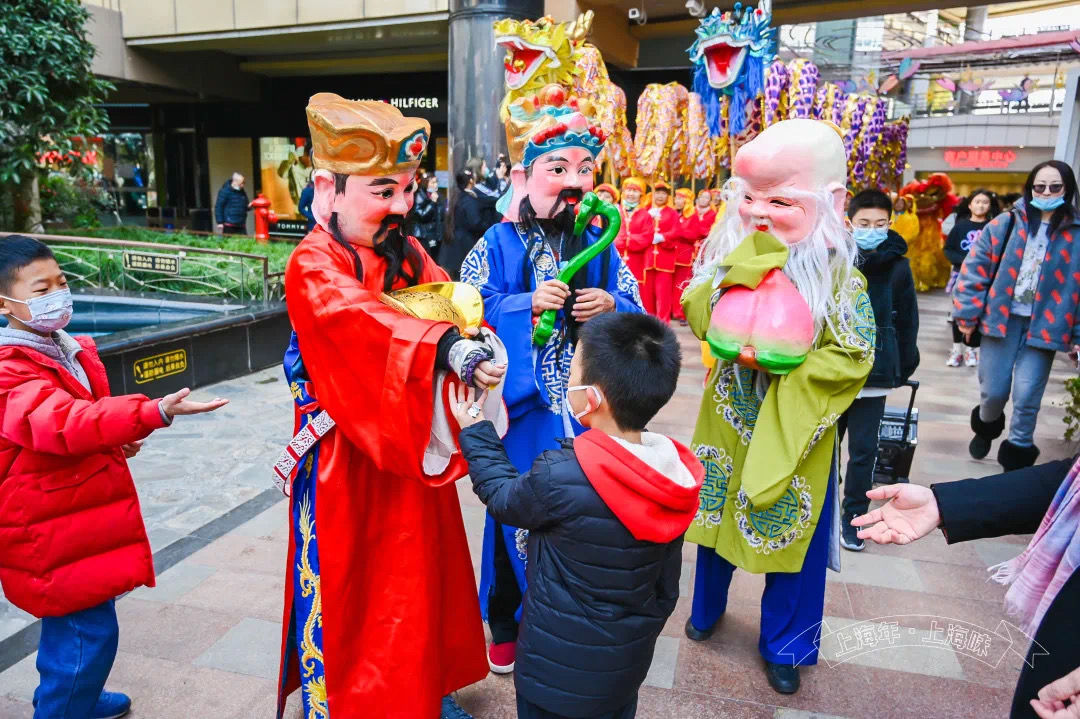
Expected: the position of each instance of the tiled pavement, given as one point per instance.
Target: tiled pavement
(204, 642)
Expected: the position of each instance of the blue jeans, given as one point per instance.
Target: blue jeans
(74, 659)
(1009, 361)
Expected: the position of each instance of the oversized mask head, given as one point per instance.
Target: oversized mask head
(553, 143)
(365, 155)
(789, 174)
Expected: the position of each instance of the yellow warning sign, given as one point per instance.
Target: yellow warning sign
(158, 366)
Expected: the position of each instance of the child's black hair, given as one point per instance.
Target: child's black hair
(16, 252)
(634, 359)
(869, 199)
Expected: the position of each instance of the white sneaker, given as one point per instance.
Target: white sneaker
(971, 357)
(955, 358)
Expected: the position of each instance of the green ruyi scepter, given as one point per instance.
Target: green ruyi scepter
(590, 207)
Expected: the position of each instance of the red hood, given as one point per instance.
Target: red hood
(651, 505)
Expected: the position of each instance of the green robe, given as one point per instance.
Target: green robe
(766, 441)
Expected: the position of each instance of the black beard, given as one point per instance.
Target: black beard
(390, 244)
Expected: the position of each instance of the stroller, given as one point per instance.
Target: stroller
(897, 437)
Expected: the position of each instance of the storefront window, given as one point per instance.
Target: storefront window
(127, 172)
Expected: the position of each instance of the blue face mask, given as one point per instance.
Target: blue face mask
(868, 238)
(1048, 205)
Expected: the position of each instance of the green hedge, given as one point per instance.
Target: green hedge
(199, 274)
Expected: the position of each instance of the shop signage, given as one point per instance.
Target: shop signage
(160, 365)
(150, 262)
(411, 103)
(981, 158)
(289, 228)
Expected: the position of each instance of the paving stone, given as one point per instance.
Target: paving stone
(175, 582)
(665, 657)
(930, 660)
(251, 647)
(20, 680)
(879, 571)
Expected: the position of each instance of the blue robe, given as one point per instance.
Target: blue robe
(536, 378)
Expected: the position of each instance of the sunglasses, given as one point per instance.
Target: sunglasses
(1041, 188)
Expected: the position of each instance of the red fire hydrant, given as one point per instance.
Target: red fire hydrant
(263, 217)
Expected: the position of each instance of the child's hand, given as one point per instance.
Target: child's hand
(177, 403)
(130, 450)
(466, 405)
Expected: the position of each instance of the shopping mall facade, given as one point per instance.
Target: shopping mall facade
(209, 87)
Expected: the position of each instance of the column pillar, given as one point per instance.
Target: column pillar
(476, 80)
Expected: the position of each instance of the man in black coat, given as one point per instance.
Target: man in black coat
(891, 287)
(1010, 503)
(606, 513)
(231, 207)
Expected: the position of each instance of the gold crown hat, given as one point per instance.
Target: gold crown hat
(548, 120)
(364, 137)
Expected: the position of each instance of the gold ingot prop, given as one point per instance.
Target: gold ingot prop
(455, 302)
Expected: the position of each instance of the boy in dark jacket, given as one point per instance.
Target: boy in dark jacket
(604, 514)
(891, 287)
(71, 536)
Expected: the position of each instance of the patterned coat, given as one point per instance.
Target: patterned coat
(767, 442)
(1054, 323)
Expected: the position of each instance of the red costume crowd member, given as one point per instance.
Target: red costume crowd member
(381, 614)
(695, 222)
(610, 195)
(634, 247)
(658, 226)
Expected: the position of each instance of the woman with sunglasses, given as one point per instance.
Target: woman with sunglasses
(1019, 288)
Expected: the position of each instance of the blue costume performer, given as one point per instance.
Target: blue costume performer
(515, 265)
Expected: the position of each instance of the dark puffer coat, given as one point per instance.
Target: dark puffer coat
(891, 288)
(597, 598)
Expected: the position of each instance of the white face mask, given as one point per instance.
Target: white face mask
(48, 313)
(596, 393)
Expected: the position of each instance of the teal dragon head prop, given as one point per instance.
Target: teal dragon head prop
(730, 55)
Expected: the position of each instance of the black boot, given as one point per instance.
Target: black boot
(784, 678)
(1013, 456)
(985, 434)
(699, 635)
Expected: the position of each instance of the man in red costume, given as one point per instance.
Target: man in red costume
(654, 230)
(381, 617)
(634, 256)
(694, 224)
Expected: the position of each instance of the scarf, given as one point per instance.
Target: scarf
(1041, 570)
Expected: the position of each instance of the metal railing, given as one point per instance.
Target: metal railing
(131, 266)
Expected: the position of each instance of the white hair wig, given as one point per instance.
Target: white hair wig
(820, 266)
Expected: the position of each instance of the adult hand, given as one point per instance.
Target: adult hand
(551, 295)
(592, 302)
(465, 399)
(488, 374)
(966, 330)
(220, 228)
(1075, 355)
(1052, 698)
(130, 450)
(177, 403)
(911, 513)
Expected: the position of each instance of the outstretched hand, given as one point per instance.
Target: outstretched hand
(465, 399)
(1052, 698)
(911, 513)
(178, 403)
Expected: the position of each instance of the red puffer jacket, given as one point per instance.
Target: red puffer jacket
(71, 533)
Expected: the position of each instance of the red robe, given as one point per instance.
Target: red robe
(401, 620)
(639, 243)
(692, 231)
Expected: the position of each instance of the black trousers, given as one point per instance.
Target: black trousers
(861, 424)
(233, 229)
(505, 595)
(528, 710)
(1057, 635)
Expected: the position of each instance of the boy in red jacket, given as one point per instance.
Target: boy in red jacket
(605, 516)
(71, 536)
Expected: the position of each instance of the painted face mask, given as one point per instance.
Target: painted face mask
(596, 393)
(869, 238)
(48, 313)
(1048, 205)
